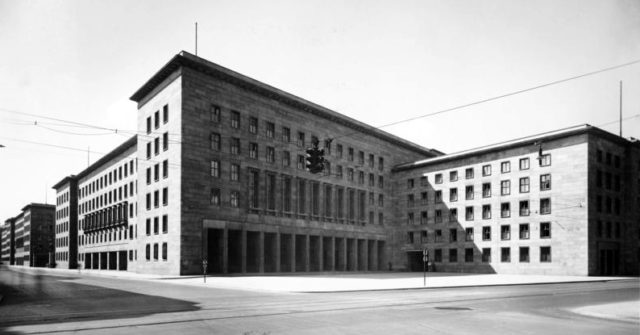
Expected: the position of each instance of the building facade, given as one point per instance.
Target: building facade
(555, 203)
(9, 241)
(31, 236)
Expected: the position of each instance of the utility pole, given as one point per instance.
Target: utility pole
(196, 38)
(620, 108)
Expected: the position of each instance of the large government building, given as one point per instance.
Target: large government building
(217, 173)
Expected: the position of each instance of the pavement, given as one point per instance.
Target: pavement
(340, 282)
(626, 311)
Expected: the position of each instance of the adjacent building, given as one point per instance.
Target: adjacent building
(30, 236)
(8, 242)
(564, 202)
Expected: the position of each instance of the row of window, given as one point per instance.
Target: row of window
(155, 251)
(505, 189)
(62, 213)
(62, 227)
(104, 236)
(505, 234)
(505, 212)
(505, 167)
(62, 242)
(108, 198)
(610, 158)
(156, 171)
(156, 225)
(156, 118)
(62, 198)
(107, 179)
(253, 128)
(505, 255)
(62, 256)
(608, 205)
(154, 146)
(608, 180)
(156, 198)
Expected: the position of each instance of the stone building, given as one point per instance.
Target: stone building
(30, 236)
(8, 242)
(564, 202)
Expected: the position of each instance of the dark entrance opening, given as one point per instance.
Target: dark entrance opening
(253, 251)
(382, 260)
(352, 254)
(608, 259)
(286, 251)
(327, 253)
(215, 250)
(235, 251)
(314, 253)
(301, 253)
(122, 260)
(414, 260)
(340, 257)
(270, 252)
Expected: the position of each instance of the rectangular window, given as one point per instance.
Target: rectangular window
(438, 196)
(164, 251)
(424, 181)
(410, 218)
(438, 215)
(505, 209)
(468, 234)
(235, 172)
(165, 224)
(327, 147)
(438, 178)
(156, 199)
(148, 201)
(214, 112)
(271, 127)
(486, 170)
(148, 227)
(505, 187)
(524, 185)
(453, 255)
(438, 235)
(156, 119)
(286, 196)
(486, 233)
(360, 158)
(410, 183)
(380, 182)
(254, 188)
(545, 182)
(545, 229)
(371, 160)
(424, 198)
(339, 150)
(545, 206)
(380, 163)
(148, 252)
(453, 194)
(253, 125)
(545, 160)
(235, 119)
(469, 213)
(156, 172)
(486, 255)
(165, 196)
(339, 173)
(215, 141)
(380, 200)
(410, 200)
(253, 150)
(215, 196)
(340, 202)
(468, 192)
(165, 169)
(156, 143)
(271, 154)
(468, 173)
(350, 154)
(524, 231)
(486, 212)
(302, 193)
(234, 200)
(505, 232)
(486, 190)
(235, 146)
(453, 214)
(155, 251)
(215, 169)
(505, 167)
(524, 163)
(301, 139)
(148, 150)
(165, 141)
(423, 217)
(453, 176)
(505, 255)
(524, 208)
(286, 134)
(453, 235)
(149, 125)
(301, 162)
(286, 158)
(156, 225)
(468, 255)
(524, 254)
(545, 254)
(148, 176)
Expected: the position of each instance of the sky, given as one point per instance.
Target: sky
(376, 61)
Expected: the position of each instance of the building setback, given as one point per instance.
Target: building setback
(556, 203)
(222, 178)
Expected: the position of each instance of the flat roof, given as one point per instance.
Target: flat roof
(64, 180)
(185, 59)
(131, 142)
(519, 142)
(34, 204)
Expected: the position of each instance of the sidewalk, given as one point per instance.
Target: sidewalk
(626, 311)
(339, 282)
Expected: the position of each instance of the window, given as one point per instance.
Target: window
(486, 233)
(214, 111)
(410, 200)
(286, 158)
(423, 217)
(545, 254)
(165, 141)
(327, 147)
(380, 163)
(156, 172)
(301, 139)
(339, 173)
(468, 232)
(524, 208)
(439, 178)
(164, 251)
(505, 209)
(156, 199)
(545, 160)
(235, 146)
(486, 212)
(372, 180)
(505, 167)
(486, 170)
(361, 177)
(545, 229)
(505, 187)
(371, 160)
(453, 235)
(438, 216)
(215, 169)
(599, 155)
(486, 255)
(453, 255)
(235, 172)
(253, 125)
(148, 252)
(360, 158)
(350, 154)
(453, 194)
(545, 206)
(468, 173)
(524, 254)
(271, 154)
(453, 175)
(410, 218)
(469, 192)
(469, 213)
(155, 251)
(505, 255)
(339, 150)
(253, 150)
(148, 152)
(524, 185)
(165, 171)
(301, 162)
(156, 143)
(156, 225)
(350, 174)
(148, 176)
(234, 200)
(149, 125)
(505, 232)
(524, 231)
(545, 182)
(410, 183)
(453, 214)
(524, 163)
(215, 141)
(438, 235)
(380, 200)
(165, 196)
(156, 119)
(148, 201)
(438, 196)
(468, 255)
(380, 182)
(424, 181)
(215, 196)
(423, 237)
(286, 134)
(235, 119)
(424, 198)
(486, 190)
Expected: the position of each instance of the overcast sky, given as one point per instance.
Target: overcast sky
(375, 61)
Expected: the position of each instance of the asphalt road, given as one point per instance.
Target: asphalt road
(37, 304)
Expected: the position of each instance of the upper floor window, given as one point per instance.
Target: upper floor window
(271, 127)
(486, 170)
(505, 167)
(165, 114)
(361, 157)
(524, 185)
(486, 190)
(271, 154)
(214, 112)
(545, 182)
(149, 125)
(350, 154)
(380, 163)
(339, 150)
(545, 160)
(286, 134)
(545, 206)
(301, 139)
(505, 187)
(468, 173)
(253, 125)
(156, 119)
(524, 163)
(439, 178)
(253, 150)
(453, 175)
(215, 141)
(371, 161)
(453, 194)
(235, 119)
(235, 146)
(469, 192)
(410, 183)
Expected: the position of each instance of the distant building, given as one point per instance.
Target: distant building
(217, 173)
(564, 202)
(32, 237)
(8, 242)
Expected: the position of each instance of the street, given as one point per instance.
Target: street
(35, 304)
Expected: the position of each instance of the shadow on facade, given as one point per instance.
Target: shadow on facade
(445, 232)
